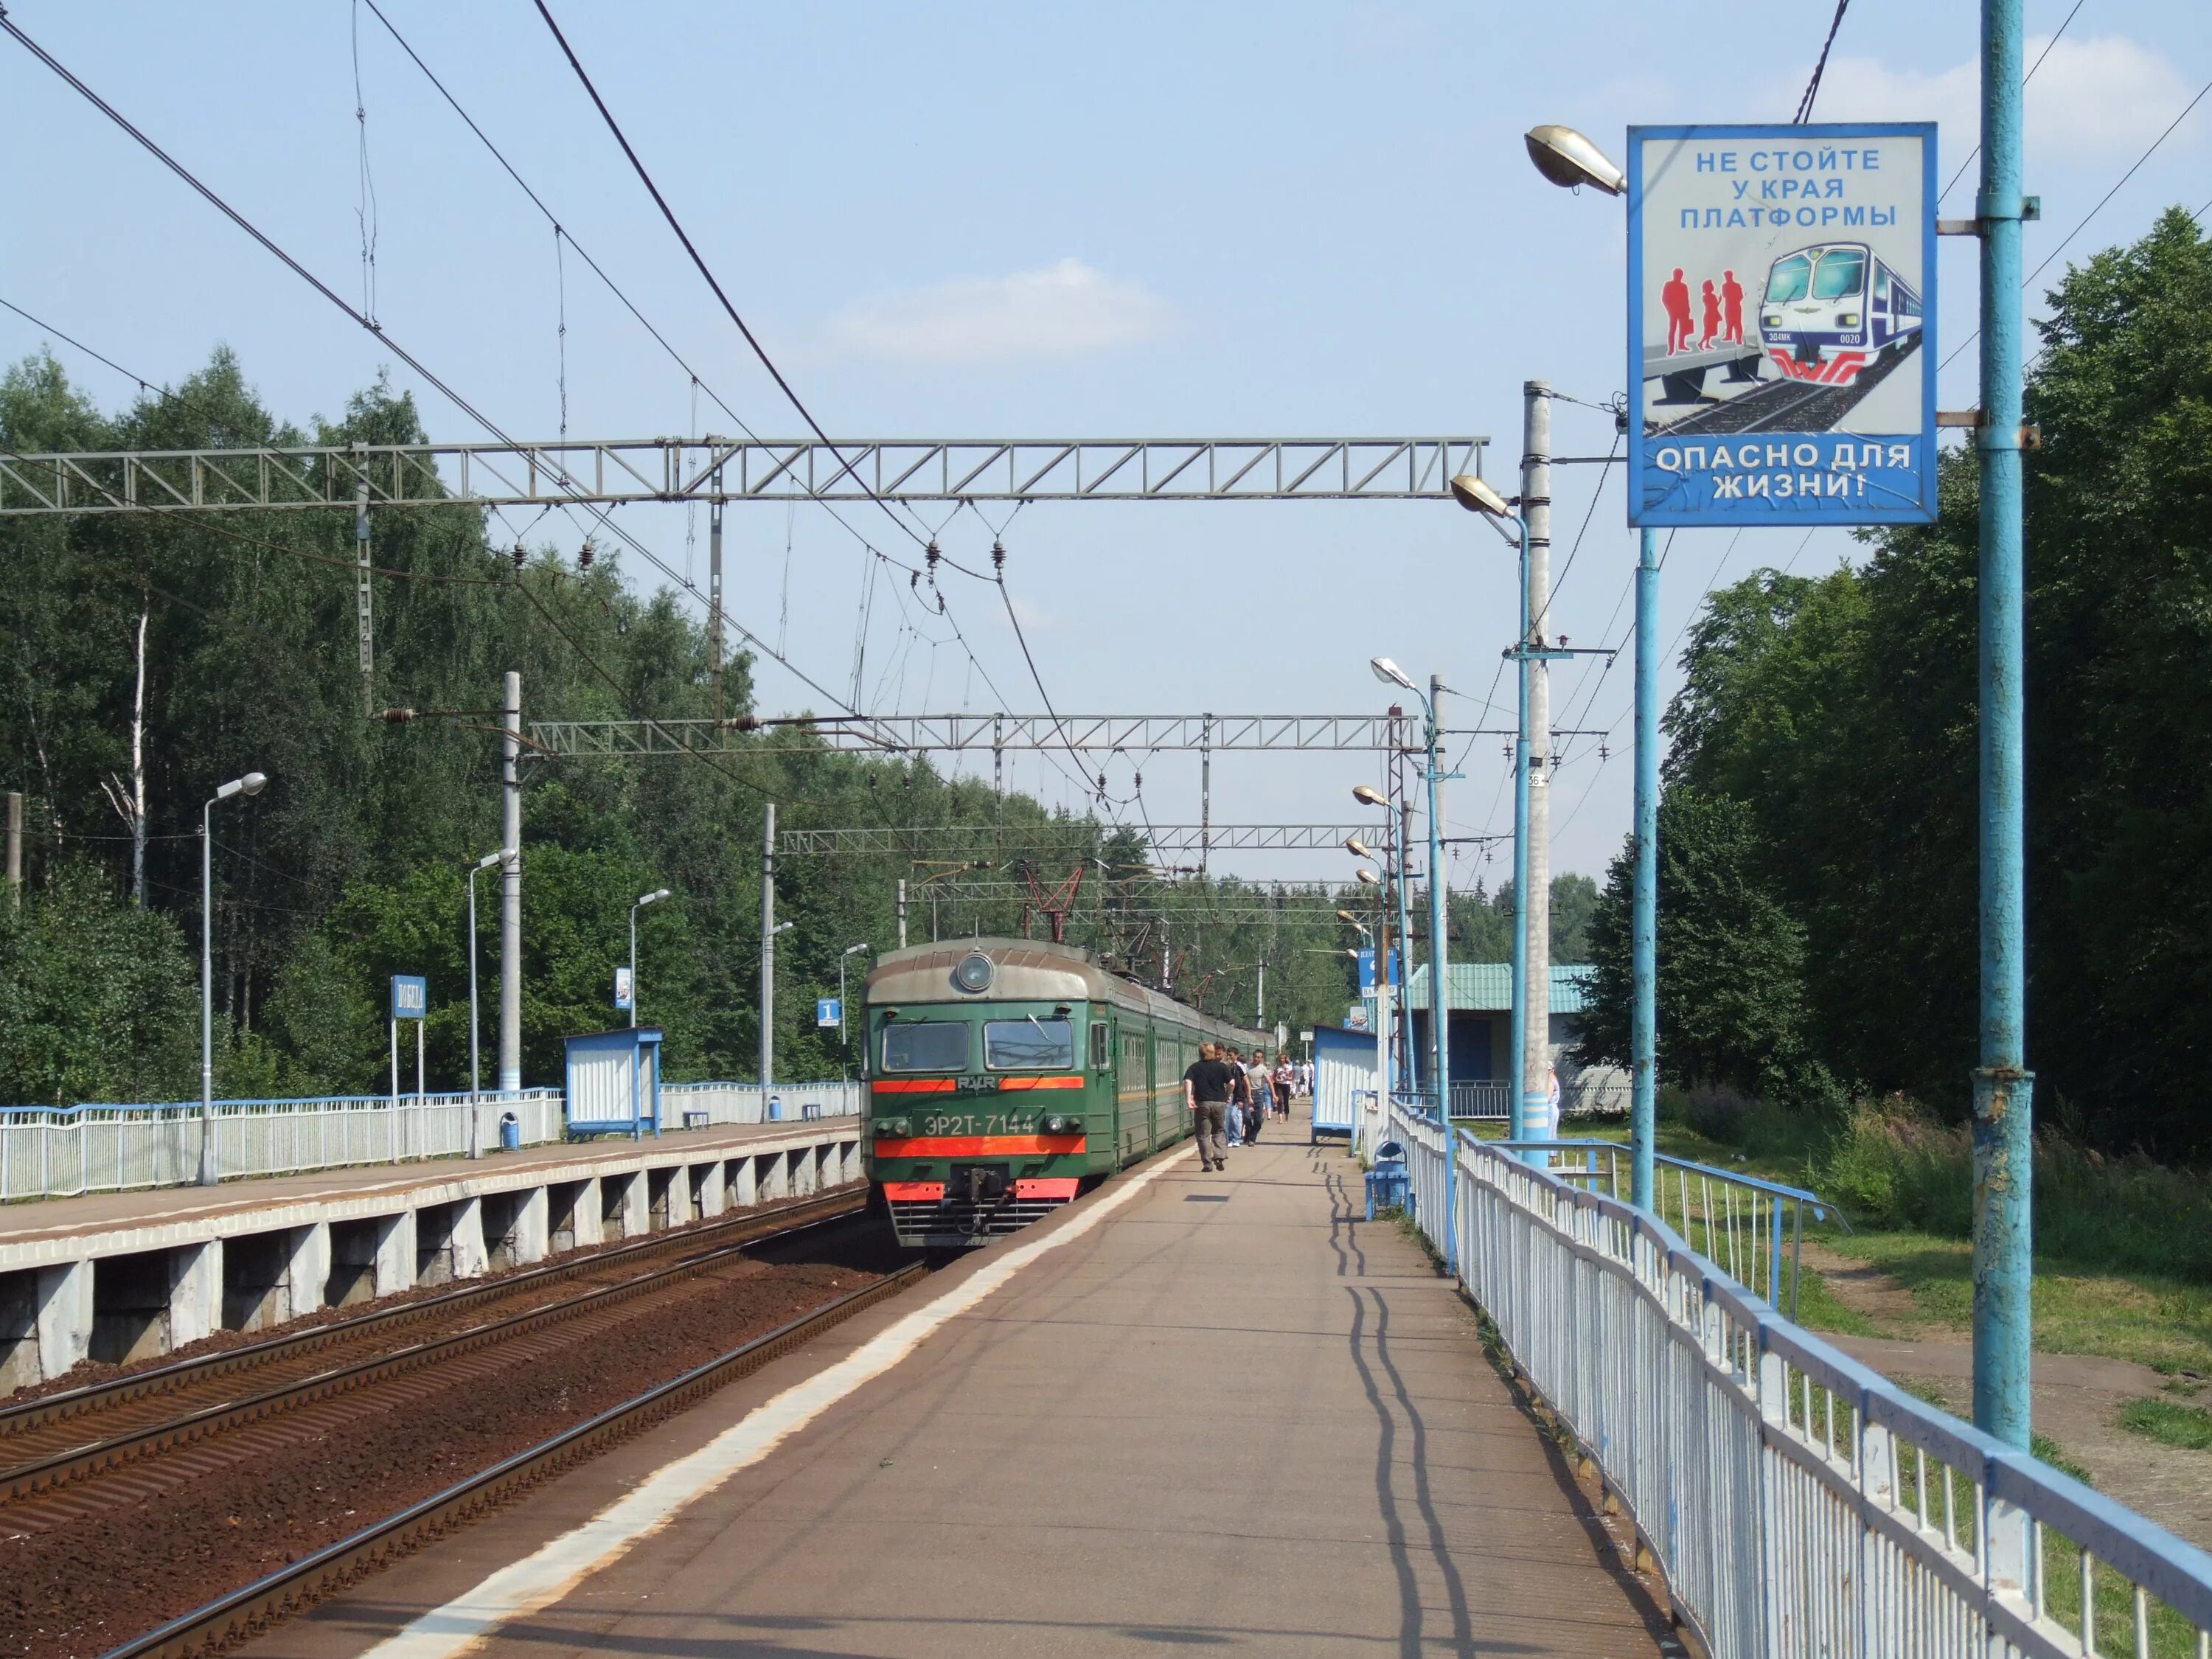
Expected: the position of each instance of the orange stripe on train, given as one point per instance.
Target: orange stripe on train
(1039, 1083)
(917, 1086)
(980, 1146)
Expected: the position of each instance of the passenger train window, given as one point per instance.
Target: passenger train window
(926, 1046)
(1841, 274)
(1099, 1053)
(1029, 1045)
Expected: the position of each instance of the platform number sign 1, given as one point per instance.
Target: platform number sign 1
(829, 1011)
(1780, 324)
(410, 996)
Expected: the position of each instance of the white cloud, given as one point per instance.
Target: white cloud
(1062, 311)
(2103, 96)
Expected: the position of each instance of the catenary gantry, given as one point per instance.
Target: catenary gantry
(614, 472)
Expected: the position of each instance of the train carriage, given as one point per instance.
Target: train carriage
(1005, 1075)
(1834, 297)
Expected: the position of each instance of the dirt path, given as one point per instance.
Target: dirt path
(2077, 1397)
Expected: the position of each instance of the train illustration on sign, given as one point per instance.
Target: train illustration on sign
(1831, 307)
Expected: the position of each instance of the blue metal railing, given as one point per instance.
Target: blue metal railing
(1755, 1229)
(1797, 1502)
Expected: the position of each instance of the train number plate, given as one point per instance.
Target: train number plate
(977, 1123)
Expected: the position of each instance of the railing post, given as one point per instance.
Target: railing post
(1774, 1420)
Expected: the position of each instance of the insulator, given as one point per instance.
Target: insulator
(998, 556)
(521, 554)
(933, 555)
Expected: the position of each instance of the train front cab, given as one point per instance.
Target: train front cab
(987, 1113)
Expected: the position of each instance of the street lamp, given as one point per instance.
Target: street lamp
(1439, 1044)
(1570, 161)
(850, 950)
(251, 784)
(1567, 158)
(481, 863)
(1477, 495)
(644, 899)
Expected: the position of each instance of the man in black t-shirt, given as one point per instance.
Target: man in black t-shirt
(1206, 1088)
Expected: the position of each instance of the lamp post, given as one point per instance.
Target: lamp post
(1395, 862)
(850, 951)
(1439, 952)
(480, 866)
(644, 899)
(251, 784)
(1570, 160)
(1476, 495)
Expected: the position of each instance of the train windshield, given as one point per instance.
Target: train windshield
(926, 1046)
(1029, 1045)
(1842, 274)
(1790, 279)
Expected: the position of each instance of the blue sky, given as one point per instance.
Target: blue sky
(1006, 221)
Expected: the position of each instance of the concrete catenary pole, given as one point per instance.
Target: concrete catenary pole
(510, 892)
(902, 912)
(2003, 1128)
(1439, 935)
(768, 949)
(1535, 898)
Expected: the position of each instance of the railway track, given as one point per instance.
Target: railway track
(1787, 405)
(88, 1436)
(254, 1607)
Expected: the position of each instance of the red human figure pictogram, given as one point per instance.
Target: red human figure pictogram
(1712, 316)
(1732, 308)
(1674, 295)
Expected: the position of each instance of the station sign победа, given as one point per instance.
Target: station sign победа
(1780, 324)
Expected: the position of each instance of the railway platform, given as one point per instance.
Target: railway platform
(1190, 1410)
(124, 1276)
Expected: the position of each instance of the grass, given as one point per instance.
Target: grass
(2155, 1320)
(2170, 1423)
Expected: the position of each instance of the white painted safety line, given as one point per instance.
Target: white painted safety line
(539, 1580)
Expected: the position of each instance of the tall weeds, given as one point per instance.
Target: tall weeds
(1890, 1164)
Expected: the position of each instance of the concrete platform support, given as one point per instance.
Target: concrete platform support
(710, 1192)
(526, 1241)
(467, 1244)
(393, 1264)
(742, 1182)
(64, 1317)
(194, 1292)
(307, 1270)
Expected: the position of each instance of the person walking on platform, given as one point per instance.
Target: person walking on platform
(1286, 1085)
(1240, 1095)
(1260, 1082)
(1206, 1092)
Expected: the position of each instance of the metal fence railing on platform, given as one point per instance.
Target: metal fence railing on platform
(64, 1151)
(1797, 1502)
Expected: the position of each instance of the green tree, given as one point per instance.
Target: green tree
(1731, 959)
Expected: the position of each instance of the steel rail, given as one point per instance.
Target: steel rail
(706, 1246)
(254, 1607)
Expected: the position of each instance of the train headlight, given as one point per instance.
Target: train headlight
(1771, 319)
(1058, 1125)
(1849, 319)
(894, 1128)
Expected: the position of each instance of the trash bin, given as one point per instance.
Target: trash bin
(1388, 1188)
(775, 1109)
(810, 1110)
(510, 1132)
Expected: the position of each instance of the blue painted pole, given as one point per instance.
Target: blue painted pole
(1439, 955)
(1643, 930)
(1520, 1118)
(2003, 1125)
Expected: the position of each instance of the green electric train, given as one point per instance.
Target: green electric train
(1006, 1075)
